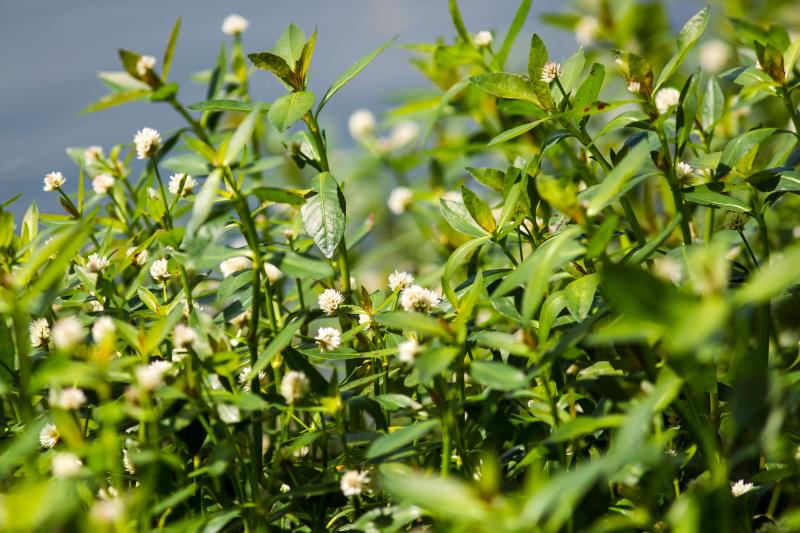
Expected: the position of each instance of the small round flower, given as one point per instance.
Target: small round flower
(69, 399)
(666, 98)
(53, 181)
(235, 264)
(402, 134)
(66, 465)
(273, 273)
(330, 300)
(159, 270)
(150, 377)
(407, 351)
(92, 155)
(399, 200)
(127, 463)
(147, 141)
(714, 55)
(586, 30)
(138, 259)
(95, 306)
(419, 299)
(634, 87)
(229, 414)
(735, 220)
(107, 510)
(183, 336)
(483, 38)
(97, 263)
(244, 382)
(144, 64)
(684, 171)
(550, 71)
(102, 183)
(175, 187)
(353, 482)
(152, 194)
(361, 124)
(103, 328)
(67, 333)
(740, 488)
(234, 25)
(40, 332)
(328, 339)
(399, 280)
(294, 386)
(364, 318)
(48, 436)
(289, 234)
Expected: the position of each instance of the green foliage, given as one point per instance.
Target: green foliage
(602, 334)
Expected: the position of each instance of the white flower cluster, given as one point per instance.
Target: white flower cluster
(419, 299)
(400, 199)
(147, 142)
(234, 25)
(181, 184)
(67, 333)
(159, 270)
(666, 98)
(294, 386)
(330, 300)
(97, 263)
(550, 71)
(53, 181)
(236, 264)
(68, 399)
(399, 280)
(144, 64)
(483, 38)
(40, 332)
(102, 183)
(328, 339)
(353, 482)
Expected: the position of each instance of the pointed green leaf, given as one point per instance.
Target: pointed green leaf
(322, 215)
(289, 108)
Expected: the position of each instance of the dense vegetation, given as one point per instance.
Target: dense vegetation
(553, 298)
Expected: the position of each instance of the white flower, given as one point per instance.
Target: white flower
(634, 86)
(361, 123)
(714, 55)
(92, 155)
(364, 318)
(328, 339)
(666, 98)
(53, 181)
(683, 169)
(550, 71)
(402, 134)
(147, 141)
(289, 234)
(126, 462)
(152, 194)
(407, 351)
(144, 64)
(420, 299)
(138, 259)
(48, 436)
(103, 329)
(294, 386)
(67, 333)
(285, 488)
(175, 184)
(244, 382)
(102, 183)
(229, 413)
(97, 263)
(483, 38)
(151, 376)
(40, 332)
(273, 273)
(183, 336)
(330, 300)
(66, 465)
(353, 482)
(68, 399)
(95, 306)
(740, 488)
(107, 510)
(734, 220)
(159, 270)
(234, 265)
(234, 25)
(399, 280)
(399, 200)
(586, 30)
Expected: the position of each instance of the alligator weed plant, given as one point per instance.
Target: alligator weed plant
(554, 298)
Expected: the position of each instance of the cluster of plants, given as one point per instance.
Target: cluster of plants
(561, 297)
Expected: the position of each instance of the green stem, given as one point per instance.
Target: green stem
(196, 127)
(680, 207)
(163, 193)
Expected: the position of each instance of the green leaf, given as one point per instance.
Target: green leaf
(490, 177)
(456, 214)
(458, 22)
(497, 375)
(579, 295)
(226, 105)
(277, 65)
(716, 200)
(537, 58)
(405, 321)
(736, 149)
(115, 99)
(572, 69)
(433, 362)
(204, 202)
(149, 299)
(290, 44)
(688, 36)
(590, 88)
(477, 208)
(506, 85)
(713, 104)
(281, 341)
(290, 108)
(498, 340)
(516, 25)
(401, 437)
(322, 214)
(769, 281)
(608, 190)
(169, 52)
(585, 425)
(241, 136)
(352, 72)
(304, 61)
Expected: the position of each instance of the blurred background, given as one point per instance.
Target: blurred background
(52, 51)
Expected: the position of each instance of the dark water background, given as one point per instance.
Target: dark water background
(50, 51)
